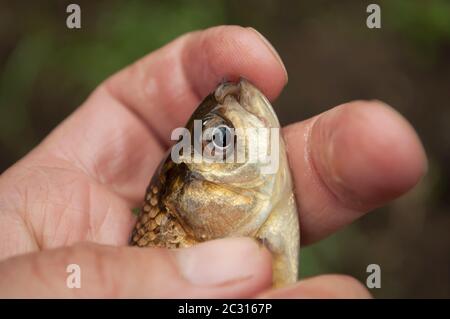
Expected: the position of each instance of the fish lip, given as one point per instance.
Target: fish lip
(228, 88)
(265, 114)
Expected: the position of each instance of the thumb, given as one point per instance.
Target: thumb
(227, 268)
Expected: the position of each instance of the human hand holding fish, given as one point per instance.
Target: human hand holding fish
(80, 183)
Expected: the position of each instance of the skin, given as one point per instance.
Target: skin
(79, 184)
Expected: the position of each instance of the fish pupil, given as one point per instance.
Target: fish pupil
(222, 136)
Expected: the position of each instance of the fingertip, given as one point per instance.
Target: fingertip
(225, 261)
(275, 53)
(372, 153)
(231, 52)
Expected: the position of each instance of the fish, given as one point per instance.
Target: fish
(190, 201)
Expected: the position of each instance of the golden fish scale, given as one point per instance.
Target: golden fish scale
(156, 226)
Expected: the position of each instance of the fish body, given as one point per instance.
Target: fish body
(189, 201)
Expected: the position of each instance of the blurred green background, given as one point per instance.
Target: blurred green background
(47, 70)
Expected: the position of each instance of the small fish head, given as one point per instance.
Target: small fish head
(226, 192)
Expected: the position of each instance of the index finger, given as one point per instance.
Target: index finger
(164, 88)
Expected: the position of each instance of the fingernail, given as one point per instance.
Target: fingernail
(271, 48)
(220, 262)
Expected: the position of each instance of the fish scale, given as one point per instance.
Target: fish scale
(156, 226)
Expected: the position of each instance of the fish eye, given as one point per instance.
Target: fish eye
(221, 136)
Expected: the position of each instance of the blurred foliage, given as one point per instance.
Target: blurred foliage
(425, 23)
(47, 70)
(47, 57)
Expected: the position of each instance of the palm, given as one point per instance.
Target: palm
(62, 199)
(73, 207)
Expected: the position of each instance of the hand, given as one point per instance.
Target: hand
(80, 183)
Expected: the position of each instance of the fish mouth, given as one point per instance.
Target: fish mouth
(250, 98)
